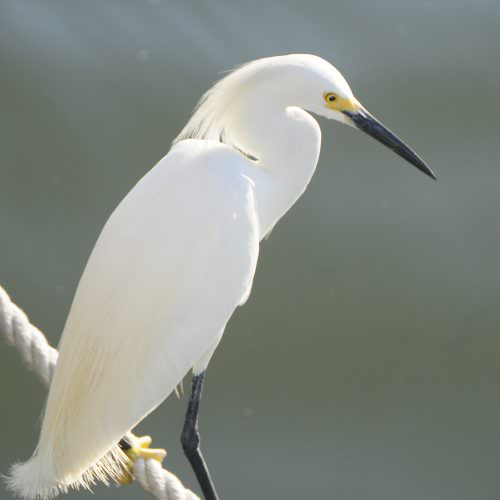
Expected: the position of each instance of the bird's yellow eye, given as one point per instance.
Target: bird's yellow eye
(330, 97)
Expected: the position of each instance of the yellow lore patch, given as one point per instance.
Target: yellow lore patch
(337, 103)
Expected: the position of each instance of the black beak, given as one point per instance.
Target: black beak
(368, 123)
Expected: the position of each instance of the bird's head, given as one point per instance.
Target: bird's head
(329, 95)
(275, 83)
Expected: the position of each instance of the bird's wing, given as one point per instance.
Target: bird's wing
(172, 263)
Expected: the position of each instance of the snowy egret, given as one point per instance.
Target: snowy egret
(176, 258)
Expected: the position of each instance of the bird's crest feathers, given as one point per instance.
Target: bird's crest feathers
(212, 115)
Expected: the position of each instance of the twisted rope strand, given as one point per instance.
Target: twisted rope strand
(39, 356)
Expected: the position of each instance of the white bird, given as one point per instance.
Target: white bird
(176, 258)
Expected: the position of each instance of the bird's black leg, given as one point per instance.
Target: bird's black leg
(190, 439)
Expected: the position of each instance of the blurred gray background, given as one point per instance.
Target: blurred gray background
(366, 363)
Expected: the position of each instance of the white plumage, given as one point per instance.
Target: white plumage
(175, 259)
(171, 265)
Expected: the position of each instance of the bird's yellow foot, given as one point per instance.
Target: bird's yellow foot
(138, 447)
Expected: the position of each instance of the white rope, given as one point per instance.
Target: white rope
(40, 357)
(159, 482)
(31, 343)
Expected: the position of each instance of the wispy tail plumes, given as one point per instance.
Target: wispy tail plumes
(33, 480)
(36, 480)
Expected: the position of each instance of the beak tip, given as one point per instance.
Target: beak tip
(428, 171)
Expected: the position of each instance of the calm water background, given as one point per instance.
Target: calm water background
(365, 365)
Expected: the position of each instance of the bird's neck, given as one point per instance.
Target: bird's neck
(286, 142)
